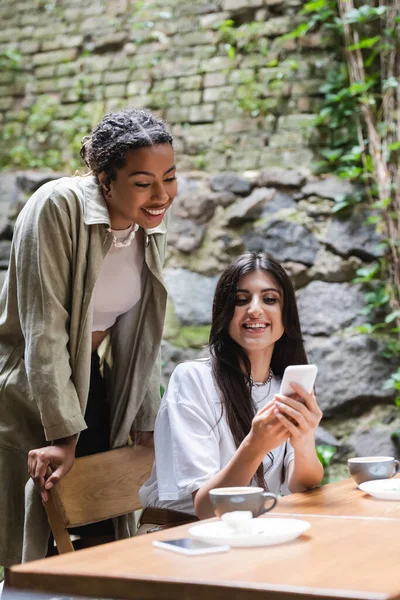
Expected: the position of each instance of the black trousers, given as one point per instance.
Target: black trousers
(96, 438)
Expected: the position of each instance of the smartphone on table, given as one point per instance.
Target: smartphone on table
(189, 546)
(304, 375)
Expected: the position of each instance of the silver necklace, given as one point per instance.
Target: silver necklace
(259, 384)
(122, 243)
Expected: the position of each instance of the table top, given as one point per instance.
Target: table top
(342, 498)
(340, 556)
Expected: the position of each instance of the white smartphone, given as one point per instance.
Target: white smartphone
(189, 546)
(304, 375)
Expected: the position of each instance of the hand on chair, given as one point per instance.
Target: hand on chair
(60, 457)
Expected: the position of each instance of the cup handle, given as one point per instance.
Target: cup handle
(267, 497)
(396, 468)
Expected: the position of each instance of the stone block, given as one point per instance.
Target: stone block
(138, 88)
(202, 114)
(179, 68)
(44, 86)
(218, 93)
(241, 76)
(230, 182)
(6, 103)
(195, 38)
(286, 139)
(29, 47)
(228, 110)
(193, 82)
(183, 286)
(59, 56)
(239, 125)
(6, 76)
(115, 91)
(244, 160)
(274, 157)
(240, 4)
(249, 208)
(45, 72)
(285, 240)
(116, 77)
(355, 237)
(178, 114)
(277, 176)
(214, 79)
(352, 372)
(189, 98)
(326, 308)
(213, 20)
(296, 122)
(165, 85)
(276, 26)
(217, 63)
(65, 69)
(311, 87)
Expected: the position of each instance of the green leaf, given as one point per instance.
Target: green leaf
(392, 316)
(300, 31)
(230, 50)
(325, 454)
(394, 146)
(314, 6)
(389, 83)
(365, 43)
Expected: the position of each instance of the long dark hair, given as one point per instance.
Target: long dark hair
(231, 366)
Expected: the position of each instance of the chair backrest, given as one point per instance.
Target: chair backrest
(99, 486)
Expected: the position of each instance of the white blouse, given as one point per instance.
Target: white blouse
(118, 287)
(193, 442)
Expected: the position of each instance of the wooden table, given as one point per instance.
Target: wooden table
(351, 551)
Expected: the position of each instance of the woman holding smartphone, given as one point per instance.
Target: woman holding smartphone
(222, 422)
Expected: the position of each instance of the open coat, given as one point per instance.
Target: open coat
(59, 245)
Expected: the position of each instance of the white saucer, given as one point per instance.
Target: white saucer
(265, 533)
(384, 489)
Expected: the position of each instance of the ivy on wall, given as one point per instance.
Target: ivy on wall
(358, 126)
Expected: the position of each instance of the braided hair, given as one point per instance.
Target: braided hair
(104, 150)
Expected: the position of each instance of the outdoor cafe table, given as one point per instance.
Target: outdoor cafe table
(352, 550)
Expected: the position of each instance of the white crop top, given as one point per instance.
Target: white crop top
(118, 287)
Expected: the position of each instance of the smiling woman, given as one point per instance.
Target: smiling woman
(84, 288)
(222, 422)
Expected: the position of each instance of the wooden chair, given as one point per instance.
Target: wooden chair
(98, 487)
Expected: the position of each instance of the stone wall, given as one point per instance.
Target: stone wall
(288, 214)
(74, 61)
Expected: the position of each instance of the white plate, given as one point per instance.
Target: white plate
(265, 532)
(385, 489)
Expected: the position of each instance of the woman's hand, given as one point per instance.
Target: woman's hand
(267, 432)
(60, 457)
(300, 419)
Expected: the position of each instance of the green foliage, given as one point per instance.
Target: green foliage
(10, 59)
(325, 454)
(394, 383)
(357, 141)
(44, 133)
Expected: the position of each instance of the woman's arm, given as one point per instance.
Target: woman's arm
(266, 434)
(44, 274)
(301, 420)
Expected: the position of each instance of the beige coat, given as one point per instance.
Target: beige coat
(59, 244)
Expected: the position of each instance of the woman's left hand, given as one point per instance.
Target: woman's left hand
(300, 416)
